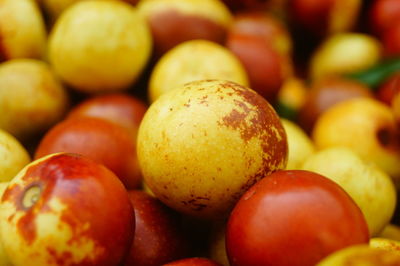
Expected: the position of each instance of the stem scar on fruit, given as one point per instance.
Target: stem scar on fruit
(31, 195)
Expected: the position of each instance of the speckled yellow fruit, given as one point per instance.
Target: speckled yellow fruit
(345, 53)
(22, 30)
(31, 98)
(201, 146)
(300, 145)
(194, 60)
(385, 243)
(364, 125)
(370, 187)
(361, 255)
(100, 46)
(391, 231)
(13, 156)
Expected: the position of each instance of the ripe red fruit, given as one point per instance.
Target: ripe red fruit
(292, 218)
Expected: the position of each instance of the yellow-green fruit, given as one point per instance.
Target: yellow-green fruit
(194, 60)
(391, 231)
(31, 98)
(370, 187)
(201, 146)
(13, 156)
(361, 255)
(100, 46)
(364, 125)
(384, 243)
(300, 145)
(22, 30)
(345, 53)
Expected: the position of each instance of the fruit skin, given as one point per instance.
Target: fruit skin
(326, 93)
(370, 187)
(4, 260)
(291, 218)
(194, 60)
(119, 108)
(391, 231)
(100, 46)
(197, 261)
(13, 156)
(202, 145)
(175, 21)
(64, 209)
(386, 244)
(344, 53)
(300, 146)
(158, 235)
(48, 99)
(370, 130)
(22, 30)
(383, 14)
(98, 139)
(391, 40)
(361, 255)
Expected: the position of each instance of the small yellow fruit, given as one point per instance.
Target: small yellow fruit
(300, 145)
(194, 60)
(13, 156)
(391, 231)
(100, 46)
(384, 243)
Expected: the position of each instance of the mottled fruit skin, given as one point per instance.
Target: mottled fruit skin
(98, 139)
(292, 217)
(193, 262)
(202, 145)
(66, 210)
(158, 235)
(175, 21)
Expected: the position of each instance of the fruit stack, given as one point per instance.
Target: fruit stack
(199, 132)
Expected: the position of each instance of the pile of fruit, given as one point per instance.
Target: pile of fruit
(199, 132)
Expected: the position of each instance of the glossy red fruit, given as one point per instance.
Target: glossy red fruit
(193, 262)
(383, 14)
(293, 218)
(65, 209)
(119, 108)
(98, 139)
(391, 40)
(158, 235)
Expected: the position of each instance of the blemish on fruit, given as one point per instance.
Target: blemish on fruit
(31, 195)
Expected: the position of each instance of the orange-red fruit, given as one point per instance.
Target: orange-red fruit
(391, 40)
(324, 94)
(118, 108)
(158, 235)
(293, 218)
(388, 90)
(98, 139)
(193, 262)
(66, 210)
(383, 14)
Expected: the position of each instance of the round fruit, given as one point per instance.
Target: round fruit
(292, 217)
(98, 139)
(64, 209)
(100, 46)
(202, 145)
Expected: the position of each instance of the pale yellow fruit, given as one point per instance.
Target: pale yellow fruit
(194, 60)
(385, 243)
(300, 145)
(345, 53)
(13, 156)
(100, 46)
(22, 30)
(391, 231)
(201, 146)
(366, 126)
(361, 255)
(370, 187)
(31, 98)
